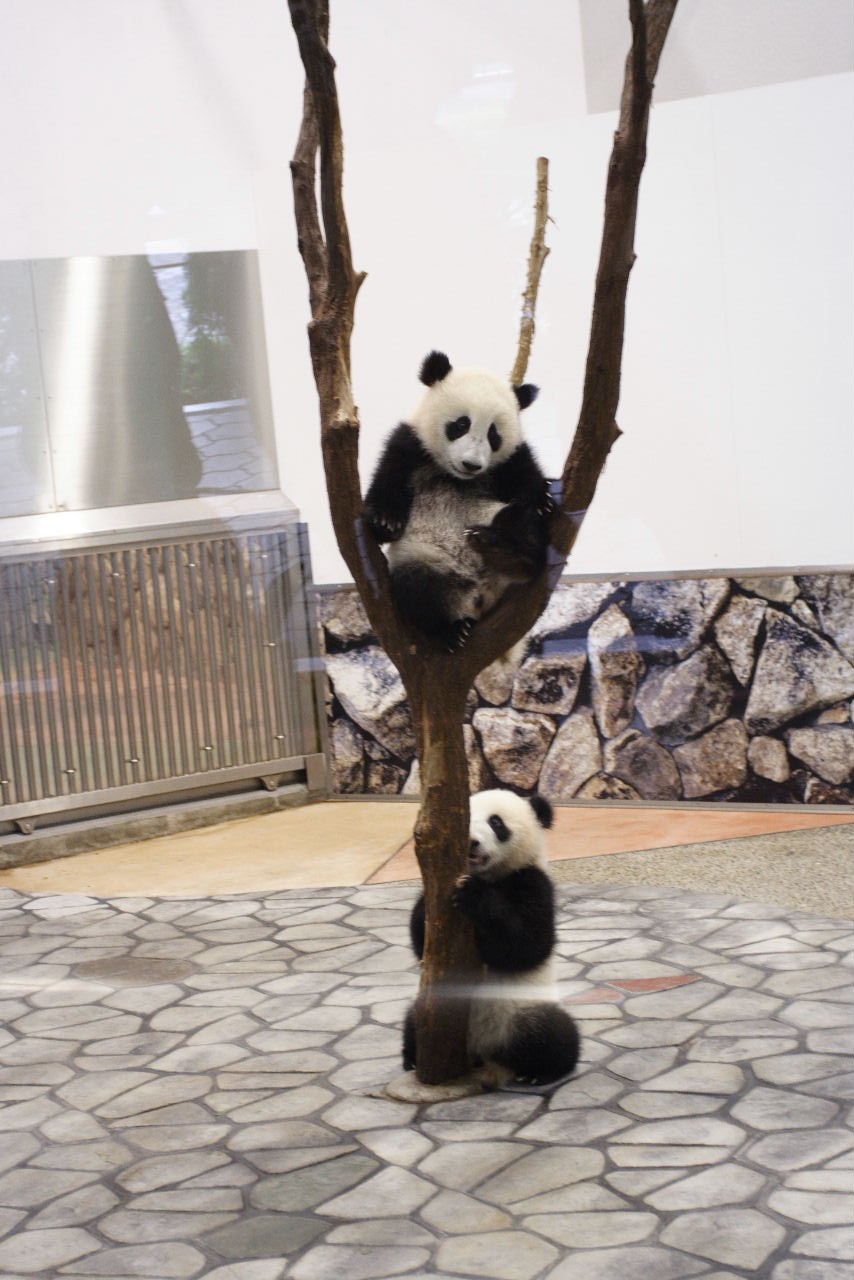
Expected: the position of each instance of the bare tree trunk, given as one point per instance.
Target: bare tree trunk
(436, 683)
(441, 846)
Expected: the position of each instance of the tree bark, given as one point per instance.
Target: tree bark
(436, 683)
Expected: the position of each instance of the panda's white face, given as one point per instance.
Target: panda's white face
(505, 834)
(468, 422)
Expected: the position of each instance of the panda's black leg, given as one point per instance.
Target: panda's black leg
(426, 598)
(514, 543)
(409, 1040)
(544, 1046)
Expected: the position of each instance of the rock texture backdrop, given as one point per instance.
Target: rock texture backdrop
(680, 689)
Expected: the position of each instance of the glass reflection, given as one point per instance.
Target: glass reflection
(129, 380)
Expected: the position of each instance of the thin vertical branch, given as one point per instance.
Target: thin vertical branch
(537, 255)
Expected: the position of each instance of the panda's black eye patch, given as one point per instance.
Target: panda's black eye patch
(499, 827)
(493, 435)
(457, 429)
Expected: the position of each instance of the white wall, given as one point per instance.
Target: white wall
(156, 122)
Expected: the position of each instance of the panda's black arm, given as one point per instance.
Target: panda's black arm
(513, 918)
(389, 497)
(519, 479)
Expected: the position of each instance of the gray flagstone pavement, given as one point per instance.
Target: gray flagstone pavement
(190, 1087)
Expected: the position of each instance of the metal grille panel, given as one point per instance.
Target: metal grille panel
(142, 668)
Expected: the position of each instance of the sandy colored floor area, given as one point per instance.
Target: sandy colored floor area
(343, 843)
(312, 847)
(581, 832)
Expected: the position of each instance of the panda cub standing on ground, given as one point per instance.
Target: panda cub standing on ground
(517, 1031)
(460, 498)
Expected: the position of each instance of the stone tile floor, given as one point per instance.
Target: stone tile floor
(192, 1087)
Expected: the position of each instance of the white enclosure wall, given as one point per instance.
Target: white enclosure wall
(154, 124)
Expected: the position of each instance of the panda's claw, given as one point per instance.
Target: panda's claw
(461, 629)
(462, 881)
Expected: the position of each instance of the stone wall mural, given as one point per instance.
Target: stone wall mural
(703, 689)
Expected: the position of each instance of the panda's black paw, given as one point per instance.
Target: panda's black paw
(459, 634)
(383, 525)
(467, 895)
(461, 893)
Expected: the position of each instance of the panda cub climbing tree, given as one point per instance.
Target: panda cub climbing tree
(460, 498)
(517, 1030)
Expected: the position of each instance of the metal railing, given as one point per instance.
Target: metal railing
(140, 669)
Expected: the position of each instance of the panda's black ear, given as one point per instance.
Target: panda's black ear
(436, 366)
(526, 394)
(543, 810)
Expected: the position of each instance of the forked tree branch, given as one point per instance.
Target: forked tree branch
(333, 300)
(437, 683)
